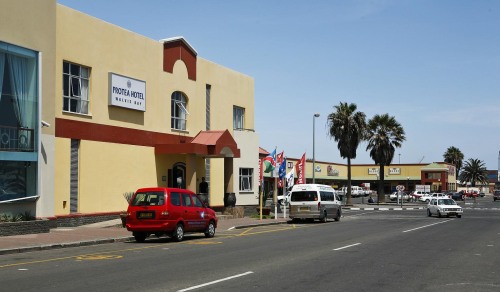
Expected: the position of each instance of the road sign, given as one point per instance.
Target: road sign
(400, 188)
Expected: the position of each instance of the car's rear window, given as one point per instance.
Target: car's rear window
(148, 199)
(301, 196)
(327, 196)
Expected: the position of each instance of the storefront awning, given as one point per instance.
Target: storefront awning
(206, 143)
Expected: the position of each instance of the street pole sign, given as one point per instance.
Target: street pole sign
(400, 189)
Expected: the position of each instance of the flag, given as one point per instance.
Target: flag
(300, 167)
(260, 172)
(279, 160)
(290, 179)
(280, 157)
(282, 170)
(269, 162)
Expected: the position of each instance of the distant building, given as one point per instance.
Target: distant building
(439, 176)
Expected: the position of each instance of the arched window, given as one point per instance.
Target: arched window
(179, 111)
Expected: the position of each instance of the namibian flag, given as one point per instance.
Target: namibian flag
(270, 162)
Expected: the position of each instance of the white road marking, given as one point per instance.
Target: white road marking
(427, 226)
(347, 246)
(216, 281)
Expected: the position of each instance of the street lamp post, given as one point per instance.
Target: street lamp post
(314, 157)
(408, 187)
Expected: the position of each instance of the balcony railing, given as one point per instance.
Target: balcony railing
(17, 139)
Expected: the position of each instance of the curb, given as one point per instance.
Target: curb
(257, 224)
(64, 245)
(383, 208)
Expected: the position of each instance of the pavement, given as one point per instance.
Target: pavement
(112, 231)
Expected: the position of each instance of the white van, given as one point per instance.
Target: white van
(313, 201)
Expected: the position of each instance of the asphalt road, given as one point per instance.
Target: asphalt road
(365, 251)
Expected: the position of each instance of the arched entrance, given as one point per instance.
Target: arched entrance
(179, 175)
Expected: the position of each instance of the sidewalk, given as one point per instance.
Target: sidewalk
(99, 233)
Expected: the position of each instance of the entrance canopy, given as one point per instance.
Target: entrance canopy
(206, 143)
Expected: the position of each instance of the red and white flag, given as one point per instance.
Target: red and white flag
(300, 168)
(279, 161)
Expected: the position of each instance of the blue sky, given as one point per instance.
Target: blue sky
(433, 65)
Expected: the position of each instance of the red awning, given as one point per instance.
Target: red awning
(206, 143)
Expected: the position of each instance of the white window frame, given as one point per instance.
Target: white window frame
(179, 113)
(246, 179)
(238, 118)
(82, 97)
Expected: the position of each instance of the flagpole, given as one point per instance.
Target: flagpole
(284, 197)
(261, 174)
(275, 192)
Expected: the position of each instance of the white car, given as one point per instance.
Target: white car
(394, 196)
(283, 199)
(428, 197)
(444, 207)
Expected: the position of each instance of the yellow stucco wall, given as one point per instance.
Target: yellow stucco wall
(216, 182)
(228, 88)
(104, 177)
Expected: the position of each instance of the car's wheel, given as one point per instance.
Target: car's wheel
(210, 232)
(295, 220)
(429, 213)
(179, 232)
(427, 201)
(337, 218)
(439, 214)
(459, 216)
(324, 219)
(140, 236)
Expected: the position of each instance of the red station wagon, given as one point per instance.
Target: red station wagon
(168, 211)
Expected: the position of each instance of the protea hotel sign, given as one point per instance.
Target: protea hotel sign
(127, 92)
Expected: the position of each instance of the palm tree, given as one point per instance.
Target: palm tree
(347, 126)
(384, 134)
(454, 156)
(474, 171)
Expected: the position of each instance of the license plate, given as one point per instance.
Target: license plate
(145, 215)
(304, 209)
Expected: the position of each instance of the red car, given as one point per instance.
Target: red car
(168, 211)
(473, 194)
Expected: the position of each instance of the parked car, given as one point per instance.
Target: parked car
(394, 196)
(444, 207)
(417, 194)
(455, 196)
(355, 191)
(428, 198)
(283, 199)
(168, 211)
(472, 194)
(496, 195)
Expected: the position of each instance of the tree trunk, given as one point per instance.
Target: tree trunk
(381, 194)
(348, 195)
